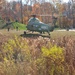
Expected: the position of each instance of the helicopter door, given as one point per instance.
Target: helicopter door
(44, 27)
(32, 27)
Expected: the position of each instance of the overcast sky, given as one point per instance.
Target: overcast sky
(23, 0)
(65, 0)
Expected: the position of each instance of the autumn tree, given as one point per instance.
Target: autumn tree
(2, 6)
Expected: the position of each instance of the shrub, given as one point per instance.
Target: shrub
(37, 56)
(53, 59)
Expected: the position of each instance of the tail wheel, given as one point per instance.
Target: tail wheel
(48, 33)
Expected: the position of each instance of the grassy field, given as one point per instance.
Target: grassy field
(58, 34)
(54, 34)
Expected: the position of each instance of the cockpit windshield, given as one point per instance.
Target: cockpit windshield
(34, 20)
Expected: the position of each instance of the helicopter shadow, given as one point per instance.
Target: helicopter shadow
(34, 35)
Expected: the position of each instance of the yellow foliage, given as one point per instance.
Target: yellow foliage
(54, 58)
(55, 52)
(16, 48)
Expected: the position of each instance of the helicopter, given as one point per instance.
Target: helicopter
(35, 25)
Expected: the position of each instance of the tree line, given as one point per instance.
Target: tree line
(56, 12)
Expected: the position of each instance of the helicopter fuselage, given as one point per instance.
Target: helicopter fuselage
(34, 24)
(39, 27)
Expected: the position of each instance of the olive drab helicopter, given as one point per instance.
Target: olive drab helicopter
(35, 25)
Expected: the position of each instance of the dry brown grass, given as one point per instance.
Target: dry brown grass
(30, 66)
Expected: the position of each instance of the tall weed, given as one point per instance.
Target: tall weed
(37, 56)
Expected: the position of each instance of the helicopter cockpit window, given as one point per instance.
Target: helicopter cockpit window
(34, 20)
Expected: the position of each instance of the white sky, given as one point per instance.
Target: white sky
(23, 0)
(65, 0)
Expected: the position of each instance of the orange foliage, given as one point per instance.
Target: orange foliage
(36, 9)
(18, 7)
(25, 20)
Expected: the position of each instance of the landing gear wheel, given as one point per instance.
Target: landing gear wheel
(48, 33)
(25, 32)
(41, 32)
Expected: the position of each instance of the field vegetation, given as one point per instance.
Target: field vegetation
(13, 25)
(33, 53)
(37, 55)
